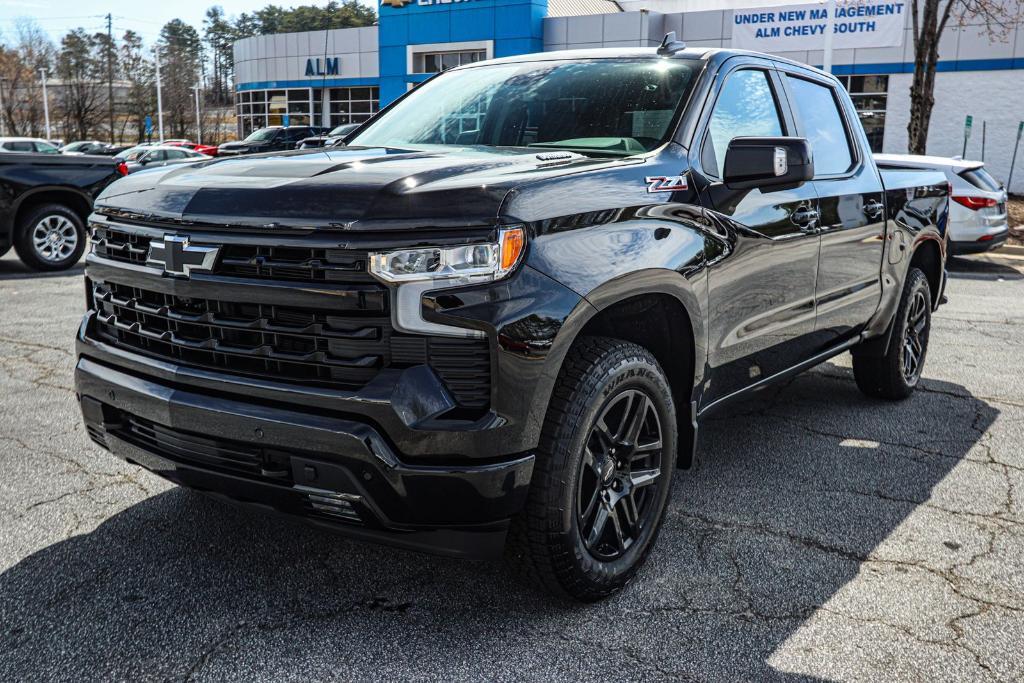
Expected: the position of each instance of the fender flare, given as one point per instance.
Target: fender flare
(647, 281)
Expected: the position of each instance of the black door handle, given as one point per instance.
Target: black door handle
(805, 217)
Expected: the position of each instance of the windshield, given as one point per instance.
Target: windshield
(600, 106)
(133, 154)
(262, 135)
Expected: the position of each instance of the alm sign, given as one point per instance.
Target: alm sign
(857, 24)
(330, 66)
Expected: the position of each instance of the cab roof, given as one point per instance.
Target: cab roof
(695, 53)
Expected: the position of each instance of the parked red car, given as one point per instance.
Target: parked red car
(209, 150)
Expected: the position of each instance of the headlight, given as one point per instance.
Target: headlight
(416, 271)
(472, 263)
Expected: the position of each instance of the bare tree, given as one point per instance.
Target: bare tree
(931, 17)
(80, 98)
(19, 69)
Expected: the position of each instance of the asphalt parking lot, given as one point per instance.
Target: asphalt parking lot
(822, 535)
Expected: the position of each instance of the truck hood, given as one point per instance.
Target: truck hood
(343, 188)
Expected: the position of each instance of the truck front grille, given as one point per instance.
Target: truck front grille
(343, 350)
(261, 262)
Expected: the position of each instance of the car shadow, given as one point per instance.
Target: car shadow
(13, 269)
(983, 267)
(793, 491)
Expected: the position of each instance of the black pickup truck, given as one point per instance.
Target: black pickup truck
(501, 311)
(45, 201)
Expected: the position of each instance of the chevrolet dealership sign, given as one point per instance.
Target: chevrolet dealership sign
(857, 24)
(403, 3)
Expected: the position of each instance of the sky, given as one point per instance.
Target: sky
(144, 17)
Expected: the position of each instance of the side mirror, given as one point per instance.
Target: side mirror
(768, 162)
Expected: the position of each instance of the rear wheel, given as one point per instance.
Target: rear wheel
(603, 473)
(50, 237)
(895, 375)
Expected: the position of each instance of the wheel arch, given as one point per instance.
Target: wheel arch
(928, 256)
(647, 307)
(75, 200)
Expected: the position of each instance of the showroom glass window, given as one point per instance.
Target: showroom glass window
(870, 98)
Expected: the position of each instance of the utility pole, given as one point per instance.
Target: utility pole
(199, 125)
(46, 104)
(159, 99)
(110, 74)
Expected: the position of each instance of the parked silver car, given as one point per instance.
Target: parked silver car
(977, 207)
(153, 156)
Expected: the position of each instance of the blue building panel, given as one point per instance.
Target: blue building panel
(514, 26)
(514, 21)
(393, 31)
(472, 24)
(429, 27)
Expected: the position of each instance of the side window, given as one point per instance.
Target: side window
(745, 107)
(822, 124)
(175, 154)
(19, 146)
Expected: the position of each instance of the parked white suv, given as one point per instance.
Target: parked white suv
(977, 207)
(28, 145)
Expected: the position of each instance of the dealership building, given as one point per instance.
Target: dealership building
(343, 76)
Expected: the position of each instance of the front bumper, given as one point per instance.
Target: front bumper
(334, 472)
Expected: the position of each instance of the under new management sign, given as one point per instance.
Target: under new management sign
(802, 27)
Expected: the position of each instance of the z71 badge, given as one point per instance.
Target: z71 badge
(661, 183)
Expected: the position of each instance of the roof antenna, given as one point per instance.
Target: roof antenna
(670, 46)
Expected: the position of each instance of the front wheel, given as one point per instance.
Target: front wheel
(896, 374)
(603, 474)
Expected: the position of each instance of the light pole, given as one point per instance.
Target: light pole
(159, 99)
(830, 22)
(46, 104)
(199, 126)
(3, 130)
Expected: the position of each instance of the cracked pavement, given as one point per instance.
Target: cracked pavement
(822, 536)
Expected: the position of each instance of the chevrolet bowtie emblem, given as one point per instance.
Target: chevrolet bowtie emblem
(177, 257)
(395, 3)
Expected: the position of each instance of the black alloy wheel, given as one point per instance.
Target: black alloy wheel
(621, 460)
(913, 337)
(895, 372)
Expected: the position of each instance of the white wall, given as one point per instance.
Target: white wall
(282, 57)
(997, 97)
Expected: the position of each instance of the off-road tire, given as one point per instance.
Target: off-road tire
(886, 376)
(545, 540)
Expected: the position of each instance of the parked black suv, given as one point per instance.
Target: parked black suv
(269, 139)
(504, 307)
